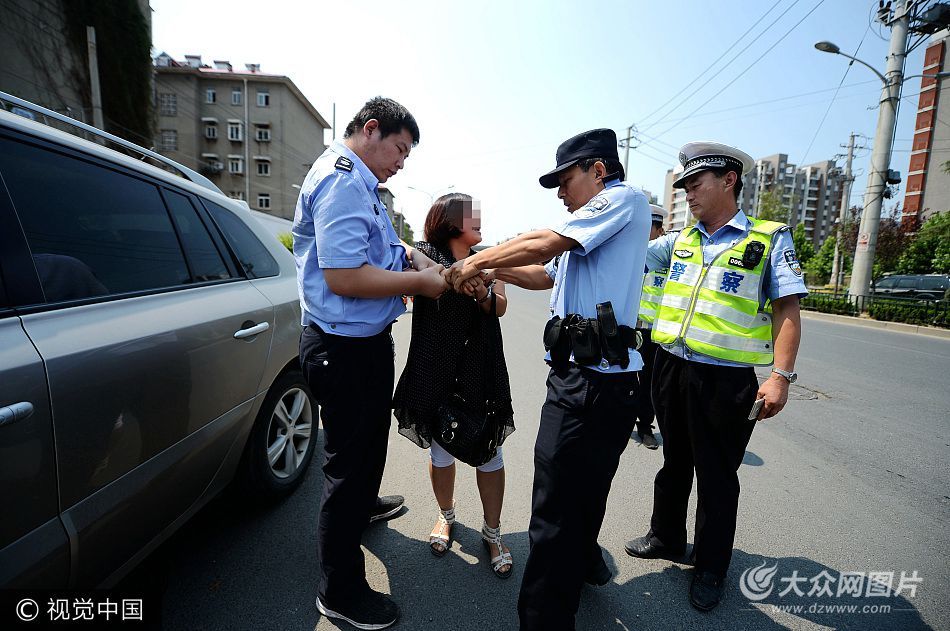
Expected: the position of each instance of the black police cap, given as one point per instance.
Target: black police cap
(596, 143)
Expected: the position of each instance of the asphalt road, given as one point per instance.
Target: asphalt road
(851, 477)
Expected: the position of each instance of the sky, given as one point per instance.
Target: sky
(497, 85)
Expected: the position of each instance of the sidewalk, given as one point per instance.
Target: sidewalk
(899, 327)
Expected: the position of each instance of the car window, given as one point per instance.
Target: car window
(203, 256)
(885, 283)
(92, 231)
(254, 257)
(907, 283)
(933, 282)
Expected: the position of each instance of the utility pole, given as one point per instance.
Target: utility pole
(837, 267)
(97, 120)
(625, 142)
(881, 153)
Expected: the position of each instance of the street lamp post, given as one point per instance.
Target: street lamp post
(881, 153)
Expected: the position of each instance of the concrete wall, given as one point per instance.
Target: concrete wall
(36, 62)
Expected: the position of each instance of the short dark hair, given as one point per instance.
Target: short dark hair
(721, 172)
(614, 168)
(392, 117)
(444, 221)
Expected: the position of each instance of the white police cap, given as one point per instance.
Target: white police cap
(701, 155)
(657, 213)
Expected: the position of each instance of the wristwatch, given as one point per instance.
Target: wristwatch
(791, 376)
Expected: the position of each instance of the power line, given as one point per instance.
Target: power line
(710, 67)
(834, 96)
(747, 68)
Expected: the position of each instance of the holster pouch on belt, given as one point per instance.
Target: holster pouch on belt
(613, 346)
(585, 341)
(557, 341)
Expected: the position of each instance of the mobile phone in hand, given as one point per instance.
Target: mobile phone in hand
(756, 408)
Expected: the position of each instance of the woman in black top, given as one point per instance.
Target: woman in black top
(457, 347)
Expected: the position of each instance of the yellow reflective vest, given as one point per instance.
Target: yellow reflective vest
(650, 296)
(714, 309)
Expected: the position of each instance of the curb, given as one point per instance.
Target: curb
(898, 327)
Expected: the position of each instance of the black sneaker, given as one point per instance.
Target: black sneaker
(386, 507)
(372, 610)
(648, 440)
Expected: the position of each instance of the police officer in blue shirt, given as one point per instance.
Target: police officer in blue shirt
(351, 273)
(730, 302)
(588, 416)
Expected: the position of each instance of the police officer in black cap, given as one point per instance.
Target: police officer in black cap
(596, 256)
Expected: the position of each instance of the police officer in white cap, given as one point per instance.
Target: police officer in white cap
(730, 302)
(587, 418)
(650, 296)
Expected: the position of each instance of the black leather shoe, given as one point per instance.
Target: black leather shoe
(649, 441)
(705, 591)
(386, 507)
(649, 547)
(599, 575)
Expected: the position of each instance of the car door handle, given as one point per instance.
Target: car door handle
(16, 412)
(251, 331)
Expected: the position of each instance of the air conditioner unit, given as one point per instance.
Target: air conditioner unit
(217, 167)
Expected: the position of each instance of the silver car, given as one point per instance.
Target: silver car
(149, 335)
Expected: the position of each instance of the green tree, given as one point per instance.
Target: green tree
(804, 248)
(891, 243)
(929, 252)
(818, 269)
(770, 207)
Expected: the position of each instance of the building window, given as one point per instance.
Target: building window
(169, 140)
(236, 195)
(235, 165)
(263, 200)
(211, 132)
(263, 98)
(263, 168)
(235, 96)
(263, 134)
(234, 132)
(168, 104)
(211, 96)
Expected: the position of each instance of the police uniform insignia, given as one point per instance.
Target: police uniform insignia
(683, 254)
(344, 164)
(596, 205)
(792, 259)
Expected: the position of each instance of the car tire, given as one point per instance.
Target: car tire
(281, 444)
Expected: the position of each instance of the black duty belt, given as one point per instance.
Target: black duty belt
(590, 339)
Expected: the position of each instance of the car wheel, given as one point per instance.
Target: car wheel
(283, 438)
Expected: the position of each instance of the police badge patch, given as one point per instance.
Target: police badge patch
(683, 254)
(344, 164)
(598, 203)
(792, 259)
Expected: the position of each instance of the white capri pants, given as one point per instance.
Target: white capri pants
(441, 458)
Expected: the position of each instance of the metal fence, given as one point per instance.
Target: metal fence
(909, 310)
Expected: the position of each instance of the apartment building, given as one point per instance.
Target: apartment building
(255, 135)
(928, 184)
(812, 194)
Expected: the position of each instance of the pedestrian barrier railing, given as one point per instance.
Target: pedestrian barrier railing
(887, 308)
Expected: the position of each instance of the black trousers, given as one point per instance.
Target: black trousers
(702, 412)
(352, 379)
(645, 411)
(586, 422)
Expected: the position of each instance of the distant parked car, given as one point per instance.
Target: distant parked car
(919, 286)
(149, 329)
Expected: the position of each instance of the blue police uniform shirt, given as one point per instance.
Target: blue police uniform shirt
(340, 222)
(612, 231)
(780, 280)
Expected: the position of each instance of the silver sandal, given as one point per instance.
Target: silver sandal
(493, 536)
(446, 518)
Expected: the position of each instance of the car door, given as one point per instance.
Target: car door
(34, 548)
(906, 287)
(885, 286)
(145, 339)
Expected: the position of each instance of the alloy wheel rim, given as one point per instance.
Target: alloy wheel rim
(289, 433)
